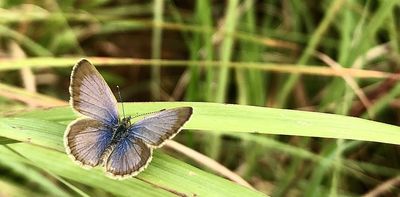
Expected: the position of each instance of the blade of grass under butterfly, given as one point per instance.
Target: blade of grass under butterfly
(250, 119)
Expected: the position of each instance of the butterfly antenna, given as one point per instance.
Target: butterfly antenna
(122, 102)
(153, 112)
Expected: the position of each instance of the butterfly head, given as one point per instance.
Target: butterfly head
(126, 121)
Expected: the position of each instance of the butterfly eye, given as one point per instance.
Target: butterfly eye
(126, 120)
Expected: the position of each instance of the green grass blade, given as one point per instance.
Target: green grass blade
(226, 49)
(156, 48)
(250, 119)
(204, 15)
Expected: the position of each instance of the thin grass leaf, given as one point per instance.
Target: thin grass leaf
(226, 50)
(156, 48)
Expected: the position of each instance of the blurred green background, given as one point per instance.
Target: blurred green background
(332, 56)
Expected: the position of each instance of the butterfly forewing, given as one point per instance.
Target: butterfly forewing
(86, 140)
(155, 129)
(90, 94)
(129, 157)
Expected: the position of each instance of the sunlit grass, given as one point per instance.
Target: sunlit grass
(252, 53)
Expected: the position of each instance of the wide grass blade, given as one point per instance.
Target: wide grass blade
(250, 119)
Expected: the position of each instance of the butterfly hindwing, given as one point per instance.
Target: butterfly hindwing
(86, 140)
(90, 94)
(129, 157)
(163, 125)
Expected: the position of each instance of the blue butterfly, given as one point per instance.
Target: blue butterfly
(101, 137)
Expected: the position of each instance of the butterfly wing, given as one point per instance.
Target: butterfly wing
(86, 140)
(155, 129)
(90, 94)
(129, 157)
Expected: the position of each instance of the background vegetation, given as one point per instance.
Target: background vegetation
(338, 57)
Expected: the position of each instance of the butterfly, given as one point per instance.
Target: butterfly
(102, 138)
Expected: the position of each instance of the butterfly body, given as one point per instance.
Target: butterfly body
(121, 131)
(101, 137)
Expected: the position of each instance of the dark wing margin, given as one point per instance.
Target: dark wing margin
(86, 140)
(90, 94)
(129, 157)
(157, 128)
